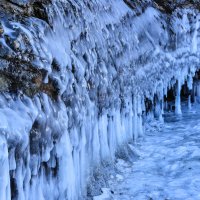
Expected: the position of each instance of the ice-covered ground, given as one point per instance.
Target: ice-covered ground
(168, 166)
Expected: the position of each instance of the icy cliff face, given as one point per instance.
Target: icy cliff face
(75, 77)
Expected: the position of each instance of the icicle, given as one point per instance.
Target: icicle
(12, 161)
(157, 110)
(112, 137)
(119, 129)
(189, 102)
(64, 153)
(135, 119)
(198, 89)
(83, 161)
(190, 87)
(194, 39)
(166, 105)
(178, 98)
(130, 124)
(162, 111)
(4, 173)
(95, 146)
(190, 82)
(140, 126)
(103, 136)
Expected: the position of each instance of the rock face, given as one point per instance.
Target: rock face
(76, 79)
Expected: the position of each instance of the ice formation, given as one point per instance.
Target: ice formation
(166, 164)
(78, 80)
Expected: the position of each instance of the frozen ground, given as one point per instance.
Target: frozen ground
(168, 167)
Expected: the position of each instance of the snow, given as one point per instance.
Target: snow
(105, 195)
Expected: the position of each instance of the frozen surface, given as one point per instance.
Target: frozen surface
(168, 165)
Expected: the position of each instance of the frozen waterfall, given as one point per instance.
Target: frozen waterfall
(78, 82)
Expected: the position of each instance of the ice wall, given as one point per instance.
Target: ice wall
(74, 77)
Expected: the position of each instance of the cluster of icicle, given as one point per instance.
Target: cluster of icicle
(63, 169)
